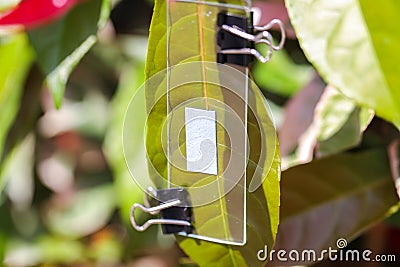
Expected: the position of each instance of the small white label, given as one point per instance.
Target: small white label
(201, 141)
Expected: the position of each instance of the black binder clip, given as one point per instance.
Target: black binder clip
(174, 209)
(237, 37)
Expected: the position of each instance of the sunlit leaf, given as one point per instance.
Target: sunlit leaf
(13, 49)
(335, 197)
(354, 45)
(62, 44)
(263, 204)
(12, 79)
(348, 136)
(20, 186)
(339, 122)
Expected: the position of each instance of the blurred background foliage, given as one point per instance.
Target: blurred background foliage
(66, 190)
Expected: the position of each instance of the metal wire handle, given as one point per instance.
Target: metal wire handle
(153, 211)
(263, 36)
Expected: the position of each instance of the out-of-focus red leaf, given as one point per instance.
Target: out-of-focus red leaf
(32, 13)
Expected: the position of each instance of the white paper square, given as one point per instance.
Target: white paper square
(201, 141)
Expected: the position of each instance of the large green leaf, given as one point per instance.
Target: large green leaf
(12, 49)
(335, 197)
(62, 44)
(354, 45)
(263, 204)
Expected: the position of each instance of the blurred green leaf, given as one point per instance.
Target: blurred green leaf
(340, 123)
(13, 49)
(335, 197)
(84, 213)
(348, 136)
(7, 4)
(20, 185)
(106, 250)
(62, 44)
(280, 75)
(354, 45)
(333, 110)
(5, 228)
(127, 191)
(45, 249)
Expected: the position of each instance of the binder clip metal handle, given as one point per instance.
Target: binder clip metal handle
(153, 211)
(174, 209)
(236, 38)
(265, 37)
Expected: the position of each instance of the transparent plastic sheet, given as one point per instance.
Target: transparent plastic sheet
(211, 99)
(186, 127)
(146, 125)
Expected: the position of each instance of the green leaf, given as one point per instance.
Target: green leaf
(333, 110)
(261, 227)
(263, 203)
(7, 4)
(340, 123)
(127, 191)
(13, 49)
(86, 213)
(335, 197)
(281, 75)
(45, 249)
(62, 44)
(17, 174)
(348, 136)
(354, 45)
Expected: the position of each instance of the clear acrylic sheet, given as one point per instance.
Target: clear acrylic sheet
(187, 125)
(206, 133)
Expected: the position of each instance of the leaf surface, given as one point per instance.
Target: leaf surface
(263, 204)
(12, 49)
(62, 44)
(334, 197)
(339, 122)
(354, 45)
